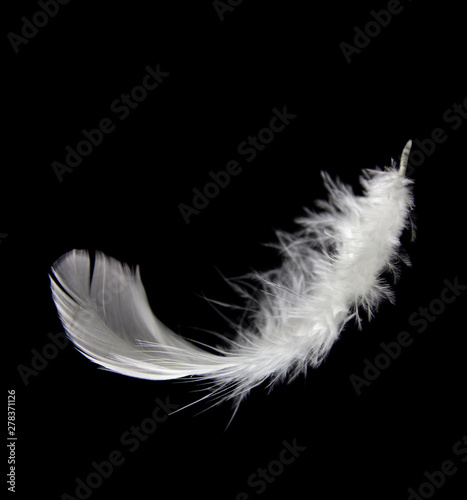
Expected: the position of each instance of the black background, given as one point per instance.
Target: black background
(226, 77)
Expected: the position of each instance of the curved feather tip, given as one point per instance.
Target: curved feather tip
(331, 271)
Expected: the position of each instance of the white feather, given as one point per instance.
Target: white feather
(331, 267)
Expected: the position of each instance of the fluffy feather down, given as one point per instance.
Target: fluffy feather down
(331, 267)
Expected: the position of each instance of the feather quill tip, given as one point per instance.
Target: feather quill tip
(405, 157)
